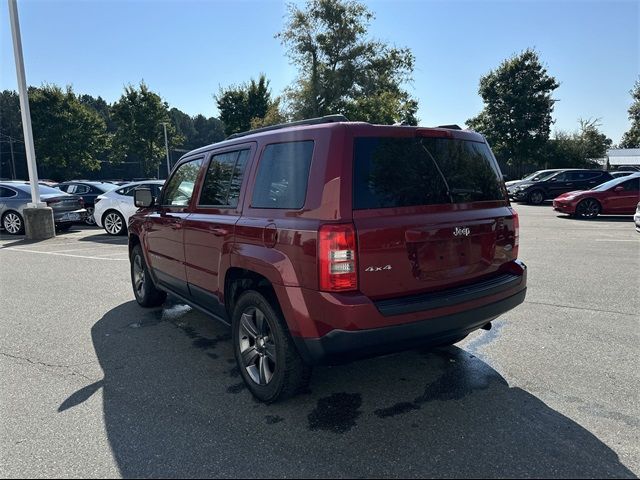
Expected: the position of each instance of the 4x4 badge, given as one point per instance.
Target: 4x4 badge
(459, 231)
(377, 269)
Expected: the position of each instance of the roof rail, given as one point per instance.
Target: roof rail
(310, 121)
(450, 127)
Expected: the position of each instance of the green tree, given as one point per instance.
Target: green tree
(208, 130)
(631, 139)
(68, 135)
(138, 118)
(578, 149)
(242, 105)
(12, 152)
(516, 118)
(341, 70)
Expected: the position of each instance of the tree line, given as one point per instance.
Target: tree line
(341, 69)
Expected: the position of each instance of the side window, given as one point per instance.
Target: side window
(561, 177)
(179, 188)
(593, 175)
(81, 189)
(7, 193)
(283, 174)
(71, 188)
(224, 178)
(632, 185)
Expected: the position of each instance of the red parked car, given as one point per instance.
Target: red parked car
(615, 197)
(325, 240)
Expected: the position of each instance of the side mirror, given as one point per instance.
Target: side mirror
(619, 188)
(142, 197)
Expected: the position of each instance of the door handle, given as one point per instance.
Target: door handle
(219, 232)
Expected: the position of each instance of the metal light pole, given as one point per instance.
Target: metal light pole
(166, 147)
(38, 217)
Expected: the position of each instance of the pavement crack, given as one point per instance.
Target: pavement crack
(37, 363)
(588, 309)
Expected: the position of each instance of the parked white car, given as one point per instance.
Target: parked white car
(113, 209)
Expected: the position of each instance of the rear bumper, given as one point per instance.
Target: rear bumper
(430, 325)
(67, 216)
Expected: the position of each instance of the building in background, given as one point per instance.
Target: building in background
(624, 158)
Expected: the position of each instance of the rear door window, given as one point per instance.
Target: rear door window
(283, 175)
(401, 172)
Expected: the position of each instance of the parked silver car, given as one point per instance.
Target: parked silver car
(14, 197)
(636, 218)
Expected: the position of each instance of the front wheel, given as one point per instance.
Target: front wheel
(267, 358)
(147, 295)
(588, 208)
(536, 197)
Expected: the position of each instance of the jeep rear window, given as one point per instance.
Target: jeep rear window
(402, 172)
(283, 174)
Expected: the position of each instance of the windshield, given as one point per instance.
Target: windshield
(607, 185)
(539, 175)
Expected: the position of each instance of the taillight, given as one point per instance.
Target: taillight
(516, 233)
(337, 262)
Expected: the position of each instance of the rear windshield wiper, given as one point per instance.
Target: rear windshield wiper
(435, 163)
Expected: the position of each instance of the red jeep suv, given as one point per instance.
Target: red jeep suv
(325, 240)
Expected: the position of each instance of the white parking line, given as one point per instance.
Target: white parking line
(614, 240)
(63, 254)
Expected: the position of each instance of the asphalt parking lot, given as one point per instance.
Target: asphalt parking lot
(93, 385)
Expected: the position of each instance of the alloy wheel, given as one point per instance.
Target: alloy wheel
(588, 208)
(536, 197)
(113, 223)
(12, 223)
(90, 220)
(257, 346)
(139, 276)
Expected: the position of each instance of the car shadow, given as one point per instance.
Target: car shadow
(105, 238)
(175, 406)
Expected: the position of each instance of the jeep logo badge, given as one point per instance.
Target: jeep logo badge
(460, 231)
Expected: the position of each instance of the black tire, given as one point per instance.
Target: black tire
(13, 223)
(90, 220)
(269, 348)
(147, 295)
(588, 208)
(536, 197)
(114, 223)
(64, 227)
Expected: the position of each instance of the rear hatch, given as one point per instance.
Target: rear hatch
(430, 213)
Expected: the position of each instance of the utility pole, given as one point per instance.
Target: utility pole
(38, 218)
(166, 147)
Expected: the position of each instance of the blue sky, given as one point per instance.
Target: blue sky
(185, 50)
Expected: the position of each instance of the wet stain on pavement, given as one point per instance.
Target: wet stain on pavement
(397, 409)
(462, 375)
(273, 419)
(204, 343)
(336, 413)
(237, 388)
